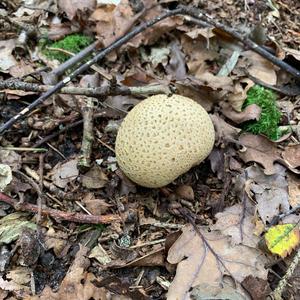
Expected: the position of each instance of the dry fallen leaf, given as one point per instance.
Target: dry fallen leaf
(270, 191)
(73, 7)
(291, 155)
(224, 131)
(198, 54)
(7, 60)
(65, 172)
(260, 67)
(112, 21)
(239, 94)
(95, 178)
(251, 112)
(197, 265)
(294, 190)
(238, 224)
(5, 176)
(76, 284)
(260, 150)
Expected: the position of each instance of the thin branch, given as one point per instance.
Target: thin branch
(195, 15)
(60, 215)
(89, 92)
(66, 128)
(284, 281)
(87, 65)
(84, 160)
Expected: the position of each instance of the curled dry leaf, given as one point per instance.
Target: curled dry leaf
(251, 112)
(198, 54)
(191, 89)
(197, 265)
(11, 158)
(176, 66)
(224, 131)
(239, 93)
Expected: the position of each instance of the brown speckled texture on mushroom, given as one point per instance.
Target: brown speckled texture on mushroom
(163, 137)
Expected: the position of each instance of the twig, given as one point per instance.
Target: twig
(60, 215)
(84, 160)
(188, 11)
(195, 15)
(90, 92)
(24, 149)
(41, 186)
(52, 77)
(66, 128)
(87, 65)
(284, 281)
(292, 90)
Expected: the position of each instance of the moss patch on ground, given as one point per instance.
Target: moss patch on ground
(73, 43)
(270, 114)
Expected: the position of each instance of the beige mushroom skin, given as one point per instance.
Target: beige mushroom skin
(163, 137)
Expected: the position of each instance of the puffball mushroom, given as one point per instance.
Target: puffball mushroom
(163, 137)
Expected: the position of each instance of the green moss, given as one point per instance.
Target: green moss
(72, 43)
(270, 114)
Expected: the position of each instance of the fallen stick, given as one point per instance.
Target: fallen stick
(194, 13)
(90, 92)
(60, 215)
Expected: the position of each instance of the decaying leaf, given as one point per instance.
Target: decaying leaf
(112, 21)
(239, 94)
(74, 7)
(238, 224)
(77, 284)
(65, 172)
(206, 291)
(260, 67)
(11, 158)
(224, 131)
(251, 112)
(197, 264)
(260, 150)
(5, 176)
(12, 225)
(291, 155)
(56, 240)
(95, 178)
(294, 190)
(7, 60)
(270, 191)
(19, 275)
(282, 239)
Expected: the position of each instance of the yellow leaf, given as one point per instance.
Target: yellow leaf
(282, 239)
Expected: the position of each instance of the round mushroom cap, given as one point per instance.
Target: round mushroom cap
(163, 137)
